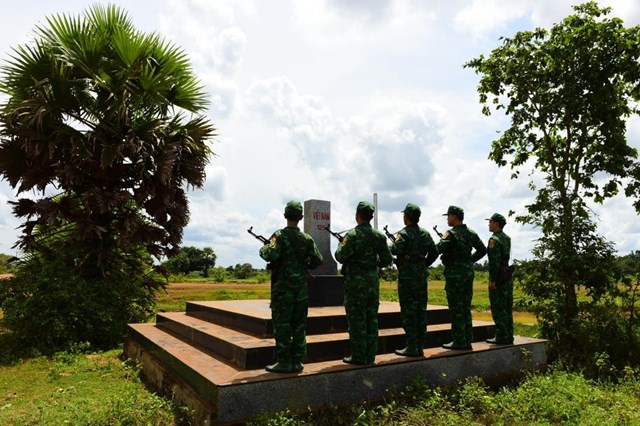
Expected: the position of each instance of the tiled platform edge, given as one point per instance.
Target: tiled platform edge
(219, 391)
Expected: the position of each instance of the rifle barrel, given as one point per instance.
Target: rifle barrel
(258, 237)
(389, 234)
(335, 234)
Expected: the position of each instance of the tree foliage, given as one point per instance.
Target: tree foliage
(191, 259)
(568, 92)
(104, 125)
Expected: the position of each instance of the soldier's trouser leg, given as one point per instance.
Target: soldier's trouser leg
(412, 293)
(454, 287)
(373, 303)
(355, 307)
(281, 312)
(421, 315)
(501, 299)
(468, 297)
(299, 326)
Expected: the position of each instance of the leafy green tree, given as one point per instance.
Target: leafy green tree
(191, 259)
(630, 264)
(178, 264)
(208, 260)
(105, 124)
(568, 92)
(243, 271)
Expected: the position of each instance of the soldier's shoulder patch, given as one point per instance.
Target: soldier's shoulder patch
(445, 235)
(345, 240)
(398, 236)
(273, 241)
(492, 242)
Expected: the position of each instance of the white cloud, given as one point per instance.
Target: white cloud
(223, 94)
(336, 100)
(384, 148)
(331, 22)
(483, 17)
(208, 32)
(491, 18)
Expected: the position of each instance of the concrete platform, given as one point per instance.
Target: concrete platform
(254, 316)
(219, 373)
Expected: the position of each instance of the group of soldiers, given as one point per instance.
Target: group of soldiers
(364, 250)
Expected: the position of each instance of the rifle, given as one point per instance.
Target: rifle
(265, 242)
(335, 234)
(446, 258)
(258, 237)
(389, 234)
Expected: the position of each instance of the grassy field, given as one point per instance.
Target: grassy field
(80, 388)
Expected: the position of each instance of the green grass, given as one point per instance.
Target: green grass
(555, 398)
(175, 300)
(100, 389)
(79, 389)
(437, 295)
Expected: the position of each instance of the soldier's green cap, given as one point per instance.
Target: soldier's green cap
(293, 210)
(365, 207)
(412, 211)
(455, 210)
(497, 217)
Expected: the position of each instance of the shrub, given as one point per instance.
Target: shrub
(600, 328)
(218, 275)
(50, 308)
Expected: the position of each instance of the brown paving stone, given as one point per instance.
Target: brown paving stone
(254, 316)
(248, 350)
(220, 373)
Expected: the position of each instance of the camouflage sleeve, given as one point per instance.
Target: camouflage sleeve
(315, 258)
(344, 251)
(399, 246)
(271, 252)
(446, 243)
(480, 249)
(495, 258)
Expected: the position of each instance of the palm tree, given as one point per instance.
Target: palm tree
(105, 124)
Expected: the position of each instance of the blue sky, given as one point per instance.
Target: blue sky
(337, 100)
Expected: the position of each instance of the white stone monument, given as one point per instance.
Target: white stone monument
(317, 215)
(327, 288)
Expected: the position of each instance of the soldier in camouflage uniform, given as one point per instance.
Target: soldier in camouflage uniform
(415, 251)
(455, 247)
(500, 283)
(362, 251)
(292, 253)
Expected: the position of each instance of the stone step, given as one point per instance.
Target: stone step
(219, 392)
(248, 351)
(254, 316)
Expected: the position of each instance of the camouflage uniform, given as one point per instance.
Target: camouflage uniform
(415, 251)
(361, 252)
(292, 253)
(500, 297)
(456, 247)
